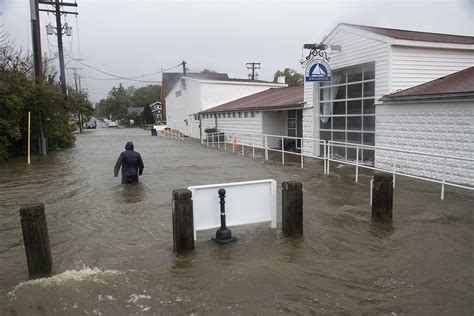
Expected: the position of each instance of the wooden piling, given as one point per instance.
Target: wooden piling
(36, 240)
(292, 208)
(183, 227)
(382, 197)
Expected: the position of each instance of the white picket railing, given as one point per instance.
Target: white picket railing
(224, 139)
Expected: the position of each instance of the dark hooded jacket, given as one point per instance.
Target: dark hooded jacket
(131, 163)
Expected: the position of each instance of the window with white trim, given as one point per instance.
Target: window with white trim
(347, 111)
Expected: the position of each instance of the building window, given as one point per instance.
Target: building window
(246, 114)
(233, 114)
(240, 114)
(196, 117)
(178, 93)
(252, 114)
(347, 110)
(219, 115)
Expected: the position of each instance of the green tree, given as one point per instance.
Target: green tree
(146, 95)
(14, 88)
(115, 105)
(208, 71)
(292, 78)
(20, 94)
(79, 105)
(130, 90)
(49, 99)
(148, 115)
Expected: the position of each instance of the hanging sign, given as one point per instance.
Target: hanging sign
(318, 69)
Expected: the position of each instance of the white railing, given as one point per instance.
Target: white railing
(172, 133)
(223, 139)
(396, 170)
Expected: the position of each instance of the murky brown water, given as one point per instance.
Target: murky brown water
(112, 245)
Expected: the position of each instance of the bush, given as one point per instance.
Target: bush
(211, 130)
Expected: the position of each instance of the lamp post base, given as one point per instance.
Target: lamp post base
(224, 236)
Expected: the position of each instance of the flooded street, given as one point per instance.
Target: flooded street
(112, 245)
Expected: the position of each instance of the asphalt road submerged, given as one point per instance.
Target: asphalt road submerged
(112, 244)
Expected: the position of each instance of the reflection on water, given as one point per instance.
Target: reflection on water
(112, 243)
(130, 193)
(382, 230)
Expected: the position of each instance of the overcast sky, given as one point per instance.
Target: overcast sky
(134, 37)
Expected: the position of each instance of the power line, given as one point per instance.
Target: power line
(78, 38)
(115, 79)
(126, 78)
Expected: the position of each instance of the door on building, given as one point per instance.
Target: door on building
(295, 128)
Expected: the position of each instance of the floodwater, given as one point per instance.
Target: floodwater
(112, 244)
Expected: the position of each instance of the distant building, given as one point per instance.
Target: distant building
(171, 78)
(156, 109)
(189, 96)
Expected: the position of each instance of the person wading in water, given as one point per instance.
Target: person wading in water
(131, 163)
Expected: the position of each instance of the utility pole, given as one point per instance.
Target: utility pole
(254, 66)
(38, 64)
(184, 67)
(77, 78)
(59, 33)
(35, 33)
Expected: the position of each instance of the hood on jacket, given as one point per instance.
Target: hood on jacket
(129, 146)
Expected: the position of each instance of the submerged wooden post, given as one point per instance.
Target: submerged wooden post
(183, 227)
(382, 197)
(292, 207)
(36, 239)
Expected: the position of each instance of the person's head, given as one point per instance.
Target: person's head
(129, 146)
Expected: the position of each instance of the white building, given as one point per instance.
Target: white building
(367, 64)
(276, 111)
(372, 62)
(189, 96)
(435, 117)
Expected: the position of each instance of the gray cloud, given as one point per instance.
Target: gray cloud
(135, 37)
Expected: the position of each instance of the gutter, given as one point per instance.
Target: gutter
(296, 106)
(438, 96)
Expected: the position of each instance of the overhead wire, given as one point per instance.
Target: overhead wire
(115, 76)
(78, 38)
(133, 78)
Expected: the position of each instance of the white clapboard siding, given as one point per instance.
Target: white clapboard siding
(412, 66)
(181, 103)
(215, 93)
(186, 100)
(356, 50)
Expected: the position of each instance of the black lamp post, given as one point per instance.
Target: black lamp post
(223, 234)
